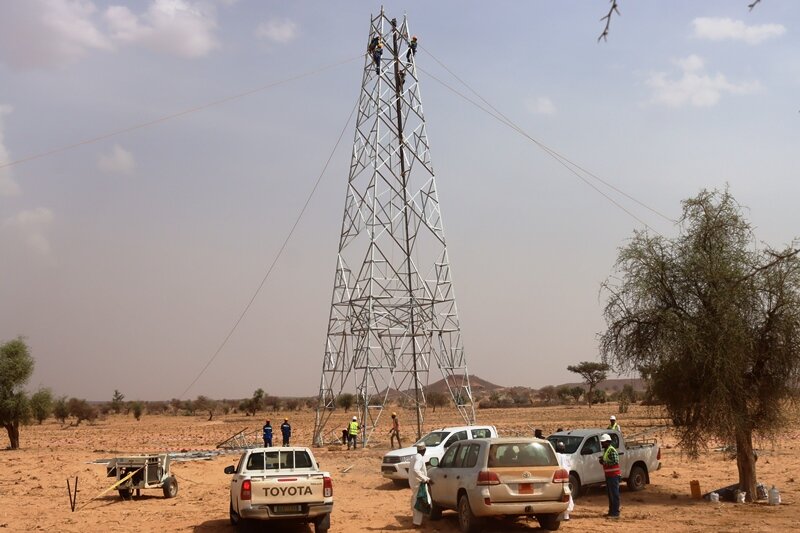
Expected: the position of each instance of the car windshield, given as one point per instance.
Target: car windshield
(571, 443)
(518, 454)
(433, 439)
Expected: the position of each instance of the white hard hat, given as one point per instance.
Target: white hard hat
(421, 446)
(605, 438)
(354, 419)
(613, 417)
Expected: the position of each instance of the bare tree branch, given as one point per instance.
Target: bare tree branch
(754, 4)
(607, 18)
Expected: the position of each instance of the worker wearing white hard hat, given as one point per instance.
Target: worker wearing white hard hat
(352, 433)
(610, 463)
(612, 424)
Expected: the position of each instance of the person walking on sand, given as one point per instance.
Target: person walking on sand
(565, 463)
(417, 475)
(286, 431)
(611, 468)
(267, 434)
(395, 432)
(352, 433)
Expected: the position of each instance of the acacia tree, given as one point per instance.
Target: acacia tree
(16, 367)
(716, 323)
(42, 404)
(592, 374)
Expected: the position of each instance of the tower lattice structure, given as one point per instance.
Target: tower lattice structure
(393, 310)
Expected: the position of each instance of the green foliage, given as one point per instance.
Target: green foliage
(713, 323)
(16, 367)
(592, 374)
(548, 394)
(117, 401)
(137, 408)
(564, 394)
(625, 397)
(60, 409)
(345, 401)
(81, 410)
(576, 393)
(42, 404)
(437, 399)
(293, 404)
(206, 404)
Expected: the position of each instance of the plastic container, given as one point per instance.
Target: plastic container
(714, 497)
(694, 485)
(741, 496)
(761, 492)
(774, 496)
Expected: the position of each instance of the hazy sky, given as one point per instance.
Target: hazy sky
(125, 262)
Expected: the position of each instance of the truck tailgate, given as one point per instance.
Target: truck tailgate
(288, 489)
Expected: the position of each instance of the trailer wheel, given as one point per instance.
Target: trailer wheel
(170, 487)
(125, 494)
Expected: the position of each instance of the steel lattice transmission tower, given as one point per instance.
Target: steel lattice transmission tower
(393, 309)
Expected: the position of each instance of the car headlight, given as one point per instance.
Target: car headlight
(406, 458)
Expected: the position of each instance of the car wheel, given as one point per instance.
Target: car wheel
(170, 487)
(125, 494)
(400, 483)
(436, 512)
(574, 486)
(235, 518)
(322, 524)
(637, 479)
(468, 522)
(550, 521)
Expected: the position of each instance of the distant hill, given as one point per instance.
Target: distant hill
(476, 383)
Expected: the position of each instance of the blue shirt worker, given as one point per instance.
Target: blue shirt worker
(267, 430)
(412, 49)
(376, 57)
(611, 468)
(286, 431)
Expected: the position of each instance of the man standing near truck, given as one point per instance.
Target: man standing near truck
(395, 432)
(612, 424)
(286, 431)
(267, 434)
(417, 475)
(612, 471)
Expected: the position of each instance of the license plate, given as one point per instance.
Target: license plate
(288, 508)
(526, 488)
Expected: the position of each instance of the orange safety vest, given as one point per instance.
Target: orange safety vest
(611, 470)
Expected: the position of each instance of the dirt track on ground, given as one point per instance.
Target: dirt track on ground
(33, 493)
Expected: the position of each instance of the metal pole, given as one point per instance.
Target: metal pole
(404, 181)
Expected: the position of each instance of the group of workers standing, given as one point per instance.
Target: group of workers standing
(286, 433)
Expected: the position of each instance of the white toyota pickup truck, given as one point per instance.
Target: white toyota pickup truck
(636, 459)
(281, 484)
(396, 463)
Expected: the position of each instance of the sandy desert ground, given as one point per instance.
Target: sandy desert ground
(33, 494)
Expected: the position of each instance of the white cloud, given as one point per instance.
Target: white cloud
(540, 106)
(118, 161)
(8, 187)
(694, 87)
(277, 31)
(720, 29)
(47, 33)
(176, 27)
(31, 226)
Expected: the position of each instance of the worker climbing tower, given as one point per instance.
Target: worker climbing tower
(393, 311)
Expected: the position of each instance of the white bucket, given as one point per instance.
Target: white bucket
(740, 496)
(774, 496)
(714, 497)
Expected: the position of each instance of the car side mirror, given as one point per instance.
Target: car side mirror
(434, 462)
(230, 469)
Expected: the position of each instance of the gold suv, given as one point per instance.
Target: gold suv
(499, 477)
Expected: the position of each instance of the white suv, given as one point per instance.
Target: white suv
(396, 462)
